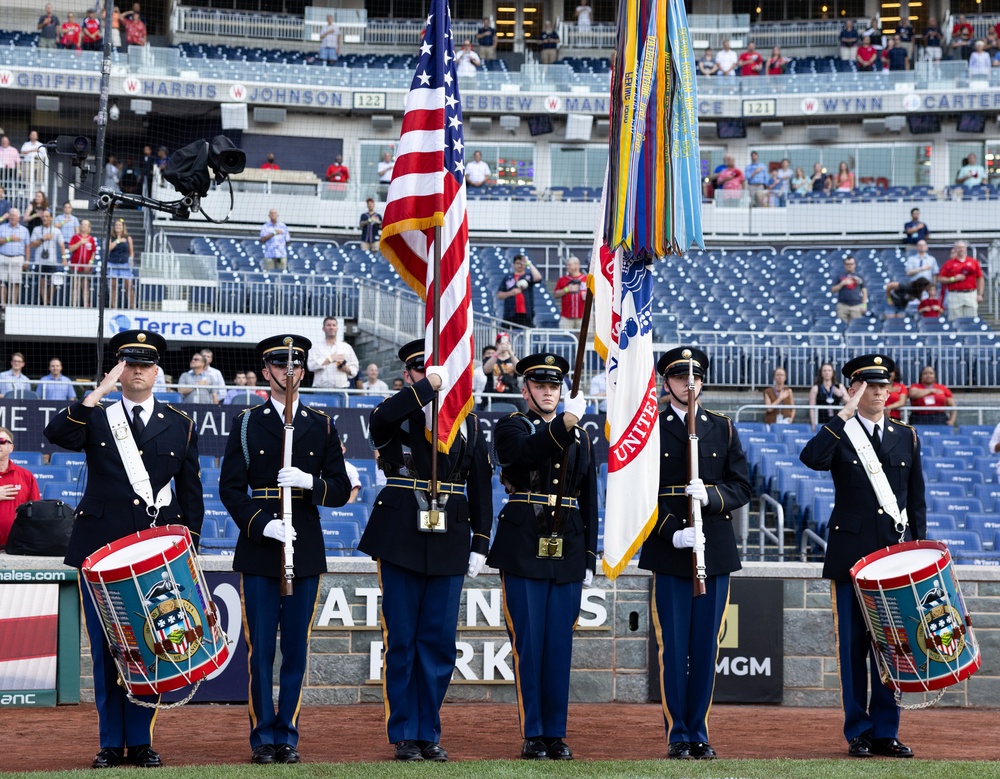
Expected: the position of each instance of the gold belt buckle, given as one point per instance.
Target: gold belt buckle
(550, 500)
(550, 547)
(432, 521)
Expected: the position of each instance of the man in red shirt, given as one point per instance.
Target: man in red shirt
(571, 289)
(751, 63)
(963, 282)
(70, 37)
(338, 171)
(270, 164)
(866, 56)
(17, 485)
(91, 31)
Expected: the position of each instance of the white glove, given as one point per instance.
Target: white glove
(476, 563)
(576, 405)
(442, 373)
(523, 283)
(295, 477)
(588, 579)
(276, 529)
(684, 539)
(696, 489)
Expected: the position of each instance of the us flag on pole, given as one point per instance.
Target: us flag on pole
(427, 191)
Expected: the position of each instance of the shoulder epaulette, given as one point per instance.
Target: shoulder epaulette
(716, 414)
(178, 411)
(315, 410)
(901, 424)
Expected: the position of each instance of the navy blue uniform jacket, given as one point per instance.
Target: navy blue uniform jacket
(110, 509)
(722, 465)
(315, 450)
(395, 425)
(858, 526)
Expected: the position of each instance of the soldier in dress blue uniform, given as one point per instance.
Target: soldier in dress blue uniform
(110, 509)
(687, 627)
(859, 526)
(421, 568)
(543, 577)
(252, 471)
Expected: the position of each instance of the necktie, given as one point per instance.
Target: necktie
(877, 439)
(137, 424)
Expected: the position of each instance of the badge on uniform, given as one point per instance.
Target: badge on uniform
(432, 521)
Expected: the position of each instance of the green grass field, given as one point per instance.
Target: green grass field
(507, 769)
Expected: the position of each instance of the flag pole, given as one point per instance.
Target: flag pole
(436, 349)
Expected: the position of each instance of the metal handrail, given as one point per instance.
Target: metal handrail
(985, 415)
(778, 536)
(807, 536)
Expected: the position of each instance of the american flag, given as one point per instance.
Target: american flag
(428, 191)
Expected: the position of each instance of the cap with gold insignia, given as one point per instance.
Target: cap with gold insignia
(543, 367)
(138, 347)
(274, 350)
(873, 368)
(412, 355)
(675, 362)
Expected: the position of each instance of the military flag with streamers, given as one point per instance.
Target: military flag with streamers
(427, 191)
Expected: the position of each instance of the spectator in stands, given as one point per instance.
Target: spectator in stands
(48, 251)
(112, 173)
(5, 205)
(915, 230)
(195, 384)
(931, 307)
(276, 239)
(486, 40)
(992, 43)
(898, 396)
(707, 65)
(14, 381)
(371, 226)
(33, 150)
(477, 172)
(851, 291)
(776, 63)
(352, 475)
(780, 185)
(501, 373)
(906, 34)
(48, 28)
(329, 41)
(213, 373)
(849, 42)
(518, 294)
(70, 33)
(373, 385)
(92, 40)
(10, 160)
(727, 59)
(269, 163)
(571, 290)
(17, 485)
(826, 393)
(820, 180)
(385, 167)
(66, 223)
(33, 213)
(731, 179)
(971, 174)
(338, 171)
(962, 35)
(121, 262)
(116, 16)
(963, 280)
(397, 384)
(162, 158)
(129, 176)
(584, 17)
(549, 42)
(895, 57)
(240, 393)
(135, 27)
(994, 448)
(933, 38)
(995, 62)
(332, 361)
(478, 377)
(14, 239)
(138, 14)
(979, 61)
(867, 55)
(146, 164)
(844, 180)
(82, 250)
(778, 394)
(757, 179)
(898, 294)
(801, 183)
(933, 398)
(466, 61)
(922, 264)
(874, 34)
(751, 63)
(55, 386)
(252, 384)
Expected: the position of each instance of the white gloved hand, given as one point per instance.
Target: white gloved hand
(588, 579)
(523, 283)
(442, 373)
(576, 405)
(276, 529)
(476, 563)
(295, 477)
(684, 539)
(696, 489)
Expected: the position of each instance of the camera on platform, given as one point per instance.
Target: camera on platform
(76, 146)
(225, 159)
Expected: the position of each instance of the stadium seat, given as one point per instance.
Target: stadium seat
(945, 490)
(70, 459)
(344, 531)
(67, 492)
(941, 522)
(355, 512)
(957, 507)
(986, 524)
(46, 473)
(29, 460)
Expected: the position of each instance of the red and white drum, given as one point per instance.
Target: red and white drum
(920, 629)
(158, 616)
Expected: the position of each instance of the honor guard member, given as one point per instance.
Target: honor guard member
(136, 441)
(687, 627)
(252, 471)
(545, 556)
(879, 483)
(423, 557)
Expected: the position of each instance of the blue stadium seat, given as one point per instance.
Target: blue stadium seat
(959, 542)
(986, 524)
(230, 529)
(945, 490)
(355, 512)
(989, 494)
(207, 461)
(70, 459)
(967, 478)
(363, 401)
(67, 492)
(941, 522)
(26, 459)
(215, 511)
(957, 507)
(209, 529)
(344, 531)
(210, 477)
(47, 473)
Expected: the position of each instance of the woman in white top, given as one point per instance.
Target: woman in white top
(979, 61)
(584, 16)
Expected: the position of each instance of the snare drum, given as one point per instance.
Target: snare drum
(920, 629)
(158, 617)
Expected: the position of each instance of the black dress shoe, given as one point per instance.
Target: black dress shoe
(109, 757)
(263, 755)
(679, 750)
(890, 747)
(433, 751)
(286, 753)
(558, 749)
(144, 757)
(860, 746)
(534, 749)
(702, 750)
(408, 751)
